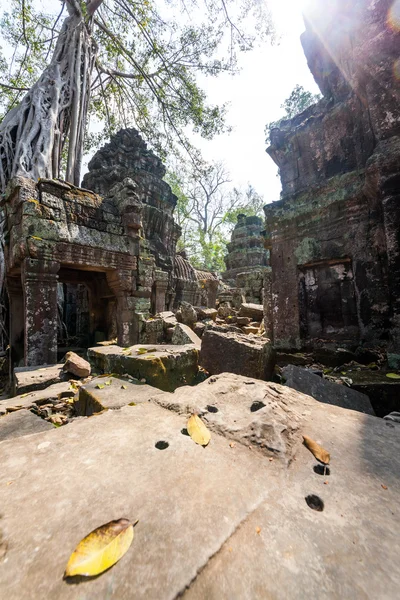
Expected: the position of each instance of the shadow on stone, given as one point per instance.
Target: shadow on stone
(322, 470)
(315, 502)
(161, 445)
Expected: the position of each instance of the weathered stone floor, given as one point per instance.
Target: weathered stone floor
(226, 521)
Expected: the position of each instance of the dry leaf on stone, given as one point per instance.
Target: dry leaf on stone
(100, 386)
(318, 451)
(141, 351)
(393, 375)
(101, 549)
(198, 431)
(109, 382)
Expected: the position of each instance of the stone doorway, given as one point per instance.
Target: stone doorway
(327, 301)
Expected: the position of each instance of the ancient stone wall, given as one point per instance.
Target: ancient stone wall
(334, 236)
(57, 233)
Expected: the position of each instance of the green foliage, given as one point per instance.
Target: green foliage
(299, 100)
(207, 210)
(148, 55)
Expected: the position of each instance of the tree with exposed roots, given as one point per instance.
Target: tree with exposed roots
(120, 62)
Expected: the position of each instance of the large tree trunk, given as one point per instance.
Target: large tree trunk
(33, 134)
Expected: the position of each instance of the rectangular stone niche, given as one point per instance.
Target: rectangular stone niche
(327, 301)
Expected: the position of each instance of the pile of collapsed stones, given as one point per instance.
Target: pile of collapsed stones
(247, 319)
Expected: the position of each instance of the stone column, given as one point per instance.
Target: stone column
(122, 283)
(39, 278)
(161, 285)
(16, 302)
(211, 286)
(268, 320)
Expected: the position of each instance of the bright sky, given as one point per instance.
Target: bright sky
(267, 78)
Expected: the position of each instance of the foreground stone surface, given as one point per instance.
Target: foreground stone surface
(29, 379)
(216, 522)
(20, 423)
(165, 367)
(236, 353)
(306, 382)
(186, 509)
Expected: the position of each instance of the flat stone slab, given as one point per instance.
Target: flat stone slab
(21, 423)
(103, 393)
(350, 550)
(322, 390)
(163, 366)
(29, 379)
(189, 500)
(224, 521)
(27, 399)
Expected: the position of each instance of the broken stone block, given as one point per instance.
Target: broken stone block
(182, 334)
(76, 365)
(206, 313)
(188, 314)
(297, 358)
(225, 310)
(105, 393)
(199, 328)
(236, 353)
(168, 318)
(164, 366)
(255, 312)
(153, 331)
(243, 321)
(29, 379)
(250, 329)
(20, 423)
(325, 391)
(223, 327)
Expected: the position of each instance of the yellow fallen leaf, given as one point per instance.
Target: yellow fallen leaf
(24, 395)
(318, 451)
(109, 382)
(393, 375)
(198, 431)
(35, 237)
(141, 351)
(258, 530)
(100, 386)
(101, 549)
(124, 387)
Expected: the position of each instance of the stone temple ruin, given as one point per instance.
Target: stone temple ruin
(247, 259)
(94, 264)
(334, 235)
(298, 480)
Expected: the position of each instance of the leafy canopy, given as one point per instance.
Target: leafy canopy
(148, 55)
(207, 210)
